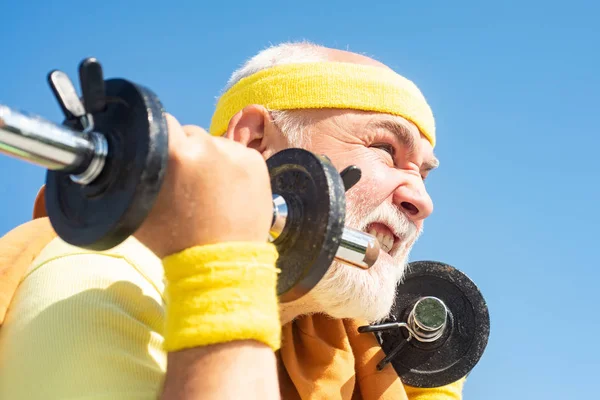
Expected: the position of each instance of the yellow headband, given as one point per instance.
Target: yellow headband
(327, 85)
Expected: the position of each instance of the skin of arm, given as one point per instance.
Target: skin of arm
(240, 369)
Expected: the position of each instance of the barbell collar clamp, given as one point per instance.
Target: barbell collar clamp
(426, 322)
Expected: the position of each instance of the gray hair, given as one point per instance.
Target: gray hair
(292, 123)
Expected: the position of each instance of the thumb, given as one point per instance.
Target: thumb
(192, 130)
(176, 134)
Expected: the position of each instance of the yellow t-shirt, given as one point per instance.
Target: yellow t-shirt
(88, 325)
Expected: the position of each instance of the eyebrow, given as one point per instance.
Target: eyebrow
(405, 136)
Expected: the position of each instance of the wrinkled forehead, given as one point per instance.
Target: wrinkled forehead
(403, 127)
(357, 121)
(408, 133)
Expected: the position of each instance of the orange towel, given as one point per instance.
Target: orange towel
(325, 358)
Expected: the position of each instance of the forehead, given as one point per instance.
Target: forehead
(399, 126)
(359, 125)
(406, 131)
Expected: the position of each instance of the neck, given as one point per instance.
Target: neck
(294, 309)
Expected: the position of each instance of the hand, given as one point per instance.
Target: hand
(215, 190)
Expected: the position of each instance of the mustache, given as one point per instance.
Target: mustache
(387, 214)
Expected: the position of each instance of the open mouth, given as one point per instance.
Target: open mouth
(388, 240)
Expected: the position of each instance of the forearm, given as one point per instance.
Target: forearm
(222, 323)
(243, 369)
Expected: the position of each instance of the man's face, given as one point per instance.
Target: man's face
(390, 202)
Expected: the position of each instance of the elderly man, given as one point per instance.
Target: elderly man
(349, 107)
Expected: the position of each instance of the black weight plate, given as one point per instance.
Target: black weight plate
(314, 193)
(104, 213)
(461, 346)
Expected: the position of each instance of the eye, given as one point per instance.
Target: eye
(388, 148)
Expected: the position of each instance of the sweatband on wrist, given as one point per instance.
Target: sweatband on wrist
(221, 293)
(319, 85)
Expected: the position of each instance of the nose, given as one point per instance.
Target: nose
(412, 198)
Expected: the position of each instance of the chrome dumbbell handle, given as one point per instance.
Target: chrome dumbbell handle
(356, 248)
(54, 147)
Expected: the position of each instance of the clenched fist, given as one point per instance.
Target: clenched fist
(215, 190)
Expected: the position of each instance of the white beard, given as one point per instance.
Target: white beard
(367, 295)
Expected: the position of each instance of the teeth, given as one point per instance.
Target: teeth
(385, 241)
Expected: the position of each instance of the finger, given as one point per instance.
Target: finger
(227, 145)
(191, 130)
(176, 134)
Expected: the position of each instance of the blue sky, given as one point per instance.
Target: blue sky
(516, 93)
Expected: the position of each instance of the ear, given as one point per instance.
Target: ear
(248, 127)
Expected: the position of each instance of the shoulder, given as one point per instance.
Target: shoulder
(123, 275)
(129, 260)
(86, 316)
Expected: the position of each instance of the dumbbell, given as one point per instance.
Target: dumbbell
(107, 161)
(438, 328)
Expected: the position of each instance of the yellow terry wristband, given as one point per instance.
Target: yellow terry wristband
(220, 293)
